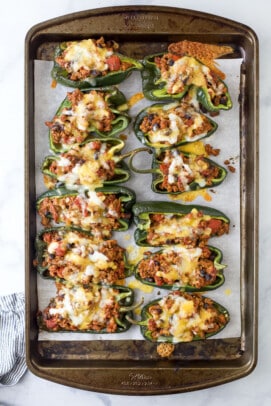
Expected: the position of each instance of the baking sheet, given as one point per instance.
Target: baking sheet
(225, 197)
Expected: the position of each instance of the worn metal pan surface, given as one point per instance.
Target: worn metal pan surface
(133, 367)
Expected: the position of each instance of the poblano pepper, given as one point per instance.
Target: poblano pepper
(91, 63)
(85, 115)
(165, 223)
(181, 268)
(168, 76)
(91, 309)
(175, 172)
(101, 211)
(171, 125)
(182, 317)
(76, 256)
(93, 164)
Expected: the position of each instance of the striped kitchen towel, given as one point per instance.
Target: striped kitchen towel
(12, 341)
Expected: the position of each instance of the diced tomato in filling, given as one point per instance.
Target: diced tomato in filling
(215, 225)
(51, 324)
(113, 62)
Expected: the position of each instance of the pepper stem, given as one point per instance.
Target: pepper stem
(133, 168)
(132, 307)
(136, 322)
(132, 153)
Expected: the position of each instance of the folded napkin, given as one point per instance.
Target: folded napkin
(12, 341)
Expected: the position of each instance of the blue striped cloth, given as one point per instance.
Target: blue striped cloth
(12, 341)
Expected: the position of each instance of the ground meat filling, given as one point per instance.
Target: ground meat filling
(174, 125)
(99, 213)
(181, 71)
(89, 166)
(80, 259)
(179, 268)
(87, 110)
(191, 230)
(180, 171)
(91, 58)
(82, 309)
(183, 317)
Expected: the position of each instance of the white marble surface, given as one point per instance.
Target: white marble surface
(15, 20)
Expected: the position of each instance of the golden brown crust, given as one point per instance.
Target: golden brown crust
(165, 349)
(206, 53)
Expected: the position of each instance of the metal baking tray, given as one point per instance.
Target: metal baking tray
(133, 367)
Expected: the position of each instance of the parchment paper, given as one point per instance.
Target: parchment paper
(225, 197)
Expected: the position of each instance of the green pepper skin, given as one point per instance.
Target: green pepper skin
(220, 279)
(122, 173)
(112, 78)
(154, 89)
(142, 211)
(146, 316)
(126, 299)
(127, 197)
(158, 177)
(144, 139)
(205, 100)
(116, 101)
(41, 247)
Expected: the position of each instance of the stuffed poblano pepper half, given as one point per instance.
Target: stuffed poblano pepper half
(167, 76)
(78, 257)
(182, 317)
(163, 126)
(85, 115)
(90, 309)
(164, 223)
(101, 211)
(91, 63)
(176, 172)
(90, 165)
(181, 268)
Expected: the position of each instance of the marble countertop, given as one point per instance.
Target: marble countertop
(16, 19)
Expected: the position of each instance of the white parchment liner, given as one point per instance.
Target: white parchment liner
(226, 197)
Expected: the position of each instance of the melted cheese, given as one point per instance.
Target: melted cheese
(180, 226)
(135, 254)
(84, 116)
(93, 200)
(182, 271)
(197, 148)
(177, 129)
(70, 178)
(62, 161)
(93, 210)
(192, 195)
(135, 284)
(85, 54)
(135, 98)
(90, 110)
(87, 173)
(182, 320)
(184, 72)
(179, 170)
(173, 226)
(82, 306)
(96, 261)
(84, 253)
